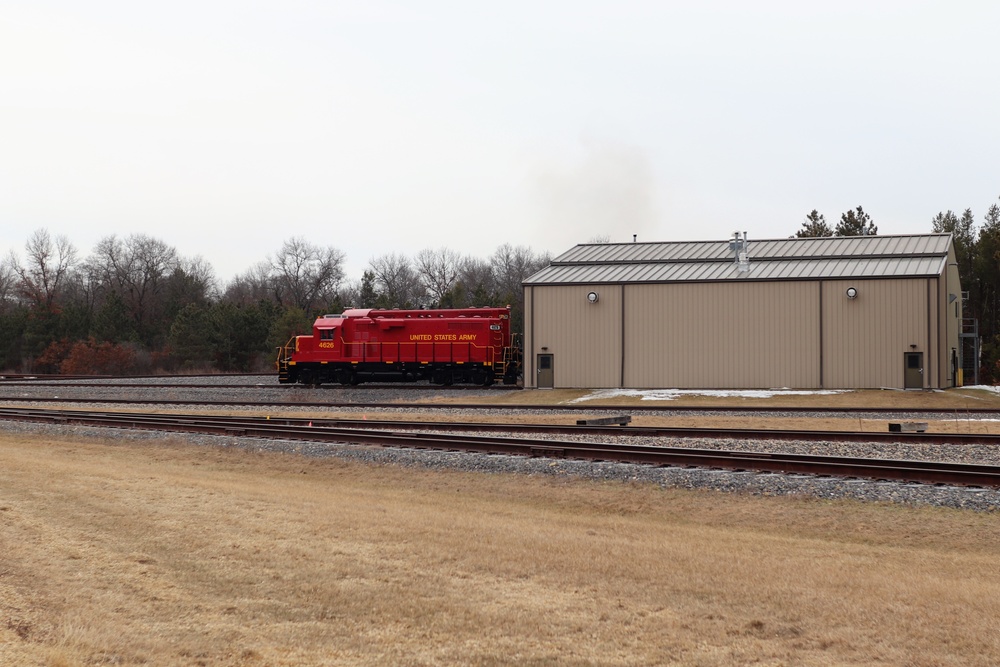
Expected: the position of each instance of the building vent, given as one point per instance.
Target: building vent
(740, 247)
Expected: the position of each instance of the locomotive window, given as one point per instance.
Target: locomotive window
(326, 334)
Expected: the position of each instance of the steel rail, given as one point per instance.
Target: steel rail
(927, 472)
(60, 379)
(675, 432)
(877, 437)
(260, 385)
(235, 421)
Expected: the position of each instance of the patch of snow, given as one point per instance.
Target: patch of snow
(672, 394)
(983, 387)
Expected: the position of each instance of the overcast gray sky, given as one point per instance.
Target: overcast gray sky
(224, 128)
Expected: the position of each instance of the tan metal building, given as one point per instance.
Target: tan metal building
(835, 313)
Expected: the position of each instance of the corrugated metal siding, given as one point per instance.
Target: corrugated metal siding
(752, 335)
(528, 362)
(864, 339)
(951, 321)
(584, 338)
(739, 335)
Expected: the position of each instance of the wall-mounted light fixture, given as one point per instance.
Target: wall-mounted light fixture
(852, 293)
(592, 297)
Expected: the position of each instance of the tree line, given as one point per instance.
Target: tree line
(134, 305)
(977, 250)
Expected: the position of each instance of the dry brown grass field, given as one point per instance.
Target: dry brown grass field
(165, 553)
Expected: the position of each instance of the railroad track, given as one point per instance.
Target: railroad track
(759, 411)
(61, 378)
(337, 396)
(541, 445)
(27, 382)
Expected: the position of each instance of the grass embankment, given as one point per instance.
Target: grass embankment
(171, 554)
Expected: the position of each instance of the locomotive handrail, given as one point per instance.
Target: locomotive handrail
(351, 351)
(284, 356)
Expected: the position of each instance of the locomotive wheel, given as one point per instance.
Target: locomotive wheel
(443, 378)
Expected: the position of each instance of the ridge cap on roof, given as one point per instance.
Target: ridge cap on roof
(768, 240)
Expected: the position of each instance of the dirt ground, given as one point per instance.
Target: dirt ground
(164, 553)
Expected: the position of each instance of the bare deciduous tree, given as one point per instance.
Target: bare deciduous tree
(306, 275)
(476, 285)
(8, 283)
(396, 281)
(45, 270)
(254, 285)
(438, 270)
(201, 273)
(511, 265)
(136, 268)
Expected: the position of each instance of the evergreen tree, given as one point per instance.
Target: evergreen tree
(113, 322)
(963, 236)
(855, 223)
(13, 322)
(368, 295)
(985, 292)
(239, 336)
(814, 226)
(291, 322)
(191, 336)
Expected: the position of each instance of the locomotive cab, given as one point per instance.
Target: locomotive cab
(326, 331)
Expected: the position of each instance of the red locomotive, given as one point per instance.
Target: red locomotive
(462, 345)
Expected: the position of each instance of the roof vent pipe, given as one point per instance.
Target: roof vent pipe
(740, 246)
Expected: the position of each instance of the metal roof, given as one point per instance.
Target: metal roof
(776, 259)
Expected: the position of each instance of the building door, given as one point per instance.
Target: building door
(913, 375)
(545, 376)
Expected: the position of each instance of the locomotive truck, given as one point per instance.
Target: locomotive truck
(445, 346)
